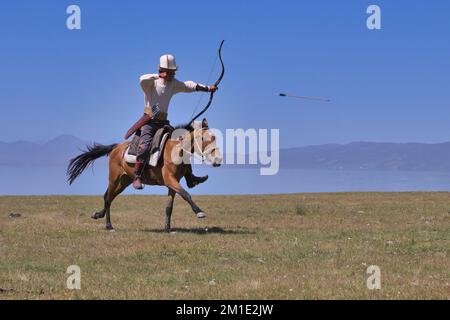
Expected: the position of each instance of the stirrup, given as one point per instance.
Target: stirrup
(138, 187)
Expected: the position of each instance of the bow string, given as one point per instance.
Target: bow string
(216, 84)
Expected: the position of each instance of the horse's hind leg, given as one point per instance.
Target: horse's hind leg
(169, 208)
(101, 214)
(107, 202)
(114, 189)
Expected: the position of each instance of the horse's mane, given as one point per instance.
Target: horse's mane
(186, 126)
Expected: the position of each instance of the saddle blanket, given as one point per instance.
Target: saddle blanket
(155, 153)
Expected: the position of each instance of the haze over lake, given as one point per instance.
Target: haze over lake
(39, 169)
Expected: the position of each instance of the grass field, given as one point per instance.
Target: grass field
(299, 246)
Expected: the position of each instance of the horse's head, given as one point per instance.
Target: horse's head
(196, 140)
(205, 144)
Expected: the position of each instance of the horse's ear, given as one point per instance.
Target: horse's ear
(204, 123)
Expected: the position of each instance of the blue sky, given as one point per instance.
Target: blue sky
(386, 85)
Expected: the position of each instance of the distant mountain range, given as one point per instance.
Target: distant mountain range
(352, 156)
(55, 152)
(369, 156)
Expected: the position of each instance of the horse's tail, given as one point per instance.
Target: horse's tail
(78, 164)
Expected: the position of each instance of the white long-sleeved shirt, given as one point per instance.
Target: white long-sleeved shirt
(158, 92)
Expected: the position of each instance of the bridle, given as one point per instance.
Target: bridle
(196, 144)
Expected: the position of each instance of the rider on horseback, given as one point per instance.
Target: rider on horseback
(158, 90)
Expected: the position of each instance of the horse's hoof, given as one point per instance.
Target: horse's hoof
(110, 229)
(201, 215)
(97, 215)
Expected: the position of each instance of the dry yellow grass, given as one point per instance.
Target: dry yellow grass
(300, 246)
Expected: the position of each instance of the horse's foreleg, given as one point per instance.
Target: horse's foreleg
(169, 208)
(173, 184)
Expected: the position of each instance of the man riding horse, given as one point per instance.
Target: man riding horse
(158, 90)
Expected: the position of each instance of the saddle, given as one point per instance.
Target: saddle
(157, 147)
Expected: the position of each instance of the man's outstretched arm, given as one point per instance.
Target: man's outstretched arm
(191, 86)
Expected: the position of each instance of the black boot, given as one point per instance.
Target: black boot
(138, 169)
(192, 180)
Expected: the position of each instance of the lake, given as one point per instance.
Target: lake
(51, 180)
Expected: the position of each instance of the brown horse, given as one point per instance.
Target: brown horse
(168, 172)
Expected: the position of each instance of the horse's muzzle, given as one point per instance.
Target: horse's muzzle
(217, 162)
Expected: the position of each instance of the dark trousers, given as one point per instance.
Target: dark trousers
(145, 142)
